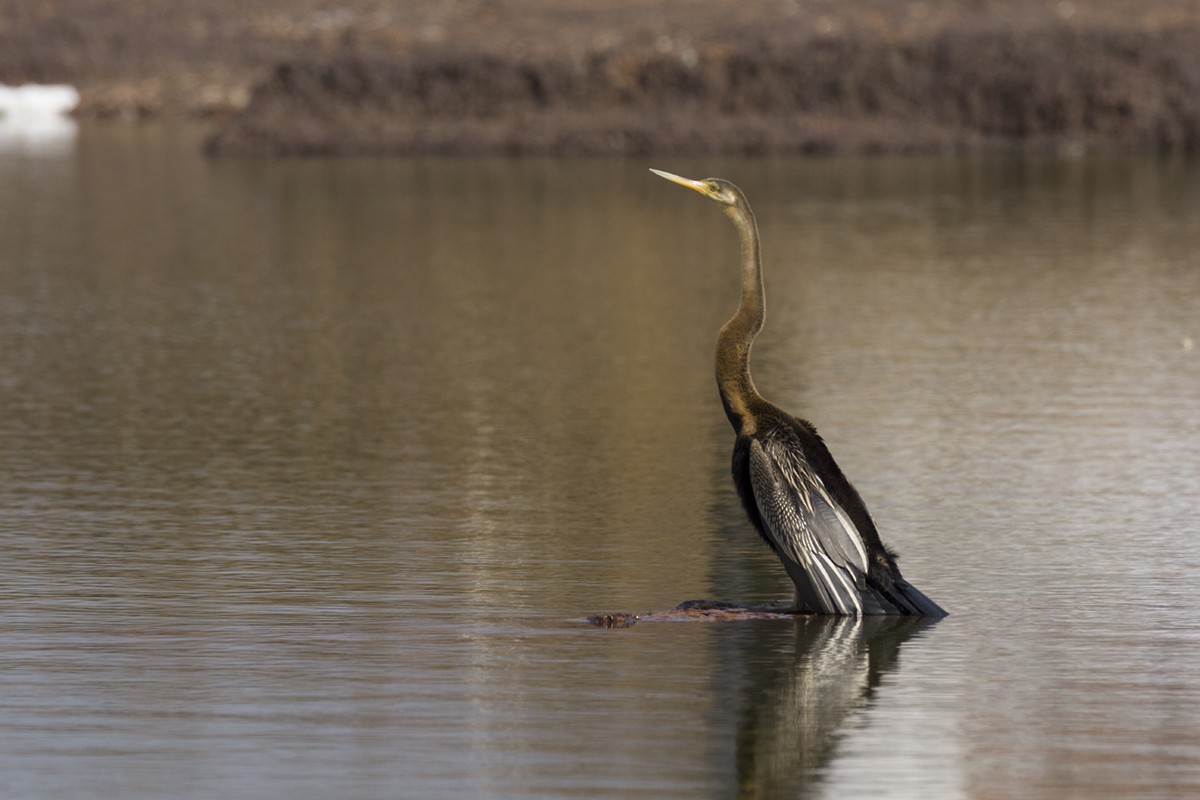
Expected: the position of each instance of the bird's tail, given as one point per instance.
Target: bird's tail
(907, 599)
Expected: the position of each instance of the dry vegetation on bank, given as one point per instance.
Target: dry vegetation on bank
(627, 76)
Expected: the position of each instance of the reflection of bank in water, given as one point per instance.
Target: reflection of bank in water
(801, 698)
(37, 117)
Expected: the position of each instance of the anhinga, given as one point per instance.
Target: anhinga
(793, 491)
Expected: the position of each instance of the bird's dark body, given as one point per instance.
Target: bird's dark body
(882, 589)
(793, 491)
(801, 437)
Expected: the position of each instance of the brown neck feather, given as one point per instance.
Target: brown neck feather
(737, 335)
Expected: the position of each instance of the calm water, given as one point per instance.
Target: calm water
(311, 469)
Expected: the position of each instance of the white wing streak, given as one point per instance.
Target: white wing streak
(808, 527)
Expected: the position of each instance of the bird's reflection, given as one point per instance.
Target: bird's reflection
(801, 694)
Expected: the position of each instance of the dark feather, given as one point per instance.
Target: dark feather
(815, 521)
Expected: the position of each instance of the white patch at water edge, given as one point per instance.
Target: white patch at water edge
(37, 116)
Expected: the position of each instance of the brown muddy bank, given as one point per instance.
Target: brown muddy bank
(626, 76)
(1056, 86)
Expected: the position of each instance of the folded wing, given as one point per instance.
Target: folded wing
(826, 551)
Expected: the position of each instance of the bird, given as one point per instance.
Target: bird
(792, 490)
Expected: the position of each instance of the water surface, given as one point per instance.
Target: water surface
(311, 469)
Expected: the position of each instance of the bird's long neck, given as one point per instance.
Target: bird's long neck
(736, 336)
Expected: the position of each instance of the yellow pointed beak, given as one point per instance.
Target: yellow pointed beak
(698, 186)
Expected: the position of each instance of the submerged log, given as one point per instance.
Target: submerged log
(695, 611)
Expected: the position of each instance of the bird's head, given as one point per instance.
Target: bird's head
(719, 191)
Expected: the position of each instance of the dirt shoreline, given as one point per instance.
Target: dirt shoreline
(1054, 88)
(296, 77)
